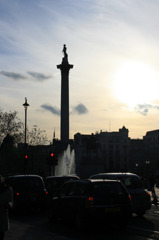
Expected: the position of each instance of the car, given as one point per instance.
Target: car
(84, 201)
(28, 191)
(141, 200)
(53, 183)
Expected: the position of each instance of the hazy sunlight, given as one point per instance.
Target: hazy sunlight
(135, 83)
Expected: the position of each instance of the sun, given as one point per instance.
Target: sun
(136, 83)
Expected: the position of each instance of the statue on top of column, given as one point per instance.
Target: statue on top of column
(64, 51)
(65, 64)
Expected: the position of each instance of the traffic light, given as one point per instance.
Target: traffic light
(53, 158)
(26, 156)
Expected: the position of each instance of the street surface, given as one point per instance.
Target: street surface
(35, 225)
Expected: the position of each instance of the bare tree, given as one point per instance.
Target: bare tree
(10, 125)
(37, 136)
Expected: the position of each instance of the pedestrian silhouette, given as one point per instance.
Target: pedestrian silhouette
(6, 202)
(152, 183)
(154, 197)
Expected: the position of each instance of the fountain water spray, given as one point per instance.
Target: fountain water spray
(66, 163)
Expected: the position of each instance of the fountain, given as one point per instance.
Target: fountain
(66, 163)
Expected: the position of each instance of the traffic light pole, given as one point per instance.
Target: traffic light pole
(52, 159)
(52, 170)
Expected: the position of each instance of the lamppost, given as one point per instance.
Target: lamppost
(26, 105)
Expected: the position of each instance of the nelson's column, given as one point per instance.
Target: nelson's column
(65, 67)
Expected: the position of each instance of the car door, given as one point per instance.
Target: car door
(73, 200)
(62, 199)
(69, 200)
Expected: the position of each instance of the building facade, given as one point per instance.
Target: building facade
(116, 152)
(102, 152)
(151, 143)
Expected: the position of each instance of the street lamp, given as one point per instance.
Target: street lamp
(137, 165)
(147, 162)
(26, 105)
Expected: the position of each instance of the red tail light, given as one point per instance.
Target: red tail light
(148, 193)
(89, 201)
(130, 197)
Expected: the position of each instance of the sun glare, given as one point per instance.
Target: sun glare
(136, 83)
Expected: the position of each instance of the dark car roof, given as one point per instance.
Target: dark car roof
(62, 176)
(114, 174)
(25, 176)
(25, 181)
(95, 180)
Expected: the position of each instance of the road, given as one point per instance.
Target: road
(35, 225)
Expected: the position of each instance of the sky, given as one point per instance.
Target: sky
(114, 47)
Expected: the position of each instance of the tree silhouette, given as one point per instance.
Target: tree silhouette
(37, 136)
(10, 125)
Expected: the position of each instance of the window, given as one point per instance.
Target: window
(65, 189)
(106, 189)
(132, 182)
(78, 189)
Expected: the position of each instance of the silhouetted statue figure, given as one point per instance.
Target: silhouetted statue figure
(64, 52)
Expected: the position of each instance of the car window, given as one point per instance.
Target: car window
(129, 181)
(22, 183)
(78, 189)
(63, 191)
(53, 184)
(132, 182)
(107, 188)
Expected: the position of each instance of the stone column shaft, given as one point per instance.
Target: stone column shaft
(64, 67)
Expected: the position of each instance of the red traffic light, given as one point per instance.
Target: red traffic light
(26, 156)
(52, 154)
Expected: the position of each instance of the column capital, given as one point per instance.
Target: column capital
(64, 66)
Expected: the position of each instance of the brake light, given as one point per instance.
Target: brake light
(89, 201)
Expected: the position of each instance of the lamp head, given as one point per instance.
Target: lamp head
(26, 104)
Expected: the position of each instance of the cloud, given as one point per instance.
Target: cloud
(80, 109)
(15, 76)
(18, 76)
(53, 110)
(144, 108)
(39, 76)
